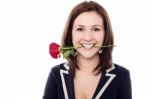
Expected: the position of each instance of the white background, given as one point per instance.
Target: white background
(28, 26)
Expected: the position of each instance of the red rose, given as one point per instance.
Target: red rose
(54, 50)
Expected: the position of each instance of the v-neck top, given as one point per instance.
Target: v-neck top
(115, 83)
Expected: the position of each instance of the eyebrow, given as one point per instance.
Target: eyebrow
(97, 25)
(79, 25)
(84, 26)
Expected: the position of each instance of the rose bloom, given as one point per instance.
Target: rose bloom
(54, 50)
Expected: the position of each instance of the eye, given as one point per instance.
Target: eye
(96, 29)
(79, 29)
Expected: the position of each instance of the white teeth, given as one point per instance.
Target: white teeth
(88, 45)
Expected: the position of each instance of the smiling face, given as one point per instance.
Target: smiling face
(88, 31)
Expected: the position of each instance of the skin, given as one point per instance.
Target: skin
(88, 30)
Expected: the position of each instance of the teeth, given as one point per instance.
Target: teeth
(88, 45)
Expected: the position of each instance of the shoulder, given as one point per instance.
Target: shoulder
(55, 69)
(54, 74)
(120, 69)
(122, 73)
(51, 88)
(123, 82)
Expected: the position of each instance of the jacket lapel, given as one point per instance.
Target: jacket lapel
(106, 79)
(67, 83)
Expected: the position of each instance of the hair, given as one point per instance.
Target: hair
(106, 55)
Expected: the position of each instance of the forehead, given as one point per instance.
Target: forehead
(88, 19)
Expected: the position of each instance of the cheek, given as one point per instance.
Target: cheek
(99, 38)
(75, 38)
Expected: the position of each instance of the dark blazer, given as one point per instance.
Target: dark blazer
(115, 83)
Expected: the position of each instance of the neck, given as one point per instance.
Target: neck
(88, 65)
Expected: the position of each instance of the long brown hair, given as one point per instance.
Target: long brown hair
(106, 55)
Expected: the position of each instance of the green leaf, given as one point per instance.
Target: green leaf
(72, 52)
(66, 53)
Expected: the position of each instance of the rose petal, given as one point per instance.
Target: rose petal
(54, 50)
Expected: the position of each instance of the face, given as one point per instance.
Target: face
(88, 31)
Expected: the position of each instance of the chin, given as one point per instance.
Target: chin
(88, 56)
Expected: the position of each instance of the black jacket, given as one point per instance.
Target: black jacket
(115, 83)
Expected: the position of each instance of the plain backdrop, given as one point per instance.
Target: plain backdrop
(27, 27)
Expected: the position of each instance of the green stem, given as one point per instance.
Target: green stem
(106, 46)
(71, 47)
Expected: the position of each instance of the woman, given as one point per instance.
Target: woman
(90, 72)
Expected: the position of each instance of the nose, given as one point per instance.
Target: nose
(88, 36)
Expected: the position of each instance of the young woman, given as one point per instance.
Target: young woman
(90, 73)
